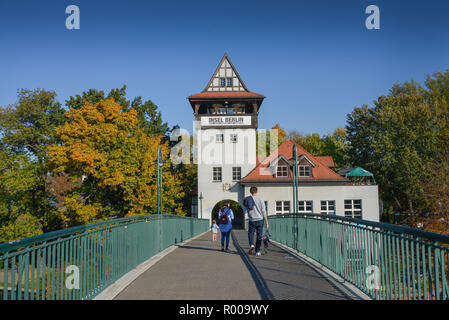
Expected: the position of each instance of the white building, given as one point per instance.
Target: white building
(226, 115)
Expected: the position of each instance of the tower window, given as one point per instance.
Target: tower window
(229, 82)
(216, 174)
(222, 82)
(236, 173)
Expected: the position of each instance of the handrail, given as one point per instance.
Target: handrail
(15, 244)
(382, 225)
(80, 262)
(385, 261)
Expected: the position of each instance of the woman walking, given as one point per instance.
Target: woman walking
(225, 217)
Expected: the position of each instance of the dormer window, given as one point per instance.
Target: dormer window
(305, 171)
(229, 82)
(282, 172)
(222, 82)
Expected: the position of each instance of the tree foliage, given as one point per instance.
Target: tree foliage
(149, 118)
(26, 129)
(398, 138)
(334, 145)
(111, 156)
(93, 162)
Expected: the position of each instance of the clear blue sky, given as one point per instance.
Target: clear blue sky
(313, 60)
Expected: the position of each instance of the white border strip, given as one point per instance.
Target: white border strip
(114, 289)
(347, 288)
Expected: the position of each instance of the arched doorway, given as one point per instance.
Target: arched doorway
(239, 217)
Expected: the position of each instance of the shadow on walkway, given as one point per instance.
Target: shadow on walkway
(261, 285)
(279, 275)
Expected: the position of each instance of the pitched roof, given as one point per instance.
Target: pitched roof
(226, 69)
(320, 172)
(326, 160)
(237, 89)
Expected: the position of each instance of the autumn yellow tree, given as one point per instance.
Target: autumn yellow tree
(110, 158)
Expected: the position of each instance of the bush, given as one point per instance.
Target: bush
(24, 226)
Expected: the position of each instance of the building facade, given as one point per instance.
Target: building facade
(226, 119)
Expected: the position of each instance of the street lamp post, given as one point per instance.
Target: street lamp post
(295, 191)
(295, 179)
(159, 163)
(201, 205)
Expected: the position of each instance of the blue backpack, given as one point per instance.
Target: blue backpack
(249, 202)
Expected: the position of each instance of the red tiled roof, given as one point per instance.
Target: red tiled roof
(326, 160)
(227, 94)
(319, 172)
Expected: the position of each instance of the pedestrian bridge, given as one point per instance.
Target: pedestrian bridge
(173, 257)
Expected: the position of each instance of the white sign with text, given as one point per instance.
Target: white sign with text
(226, 121)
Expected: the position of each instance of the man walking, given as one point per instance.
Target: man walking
(256, 216)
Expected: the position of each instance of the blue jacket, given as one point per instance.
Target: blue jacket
(230, 215)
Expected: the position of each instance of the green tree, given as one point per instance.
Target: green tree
(334, 145)
(27, 128)
(399, 137)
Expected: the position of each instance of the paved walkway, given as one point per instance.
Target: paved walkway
(199, 270)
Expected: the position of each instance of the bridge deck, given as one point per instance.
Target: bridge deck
(199, 270)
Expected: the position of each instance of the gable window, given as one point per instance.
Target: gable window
(236, 173)
(282, 172)
(229, 82)
(305, 207)
(282, 207)
(328, 207)
(353, 208)
(219, 137)
(233, 138)
(216, 174)
(304, 171)
(222, 82)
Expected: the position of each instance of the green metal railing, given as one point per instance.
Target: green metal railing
(386, 262)
(44, 267)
